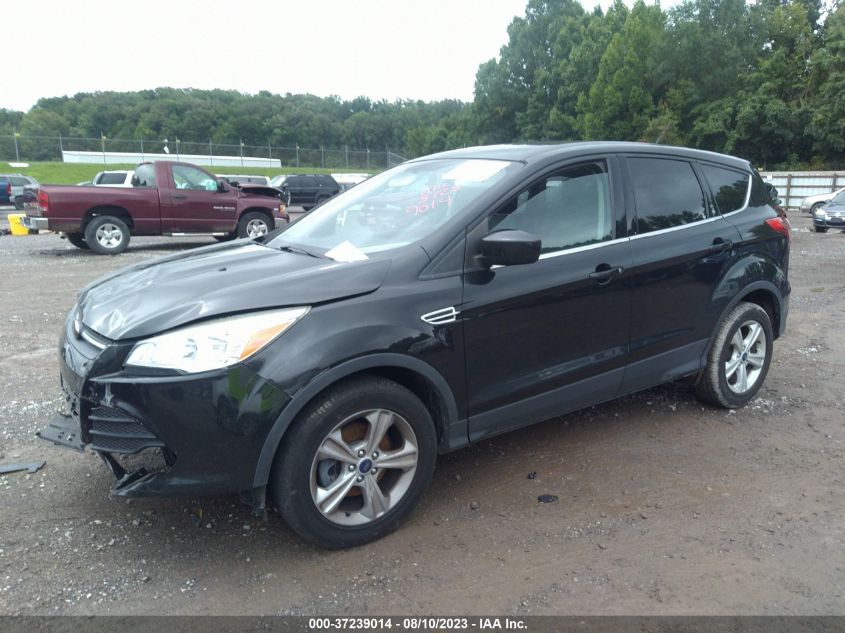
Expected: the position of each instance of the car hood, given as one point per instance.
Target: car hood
(239, 276)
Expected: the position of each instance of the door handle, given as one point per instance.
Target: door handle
(179, 197)
(604, 273)
(720, 246)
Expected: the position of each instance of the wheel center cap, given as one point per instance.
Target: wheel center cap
(365, 465)
(745, 356)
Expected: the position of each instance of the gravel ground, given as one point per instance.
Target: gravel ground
(665, 506)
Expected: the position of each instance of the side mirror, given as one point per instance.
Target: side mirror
(509, 248)
(222, 186)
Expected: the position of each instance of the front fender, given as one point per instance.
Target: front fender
(456, 429)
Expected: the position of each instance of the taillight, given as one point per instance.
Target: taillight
(9, 189)
(781, 225)
(43, 202)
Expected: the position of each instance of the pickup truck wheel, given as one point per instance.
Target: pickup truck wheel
(77, 240)
(107, 235)
(739, 358)
(354, 463)
(254, 224)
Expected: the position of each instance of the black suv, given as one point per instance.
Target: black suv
(308, 191)
(324, 366)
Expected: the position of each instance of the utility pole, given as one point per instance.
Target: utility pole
(103, 144)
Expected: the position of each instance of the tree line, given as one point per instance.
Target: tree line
(765, 81)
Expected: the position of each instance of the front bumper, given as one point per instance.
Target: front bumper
(36, 224)
(829, 223)
(208, 427)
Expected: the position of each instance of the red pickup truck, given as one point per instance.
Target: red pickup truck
(166, 198)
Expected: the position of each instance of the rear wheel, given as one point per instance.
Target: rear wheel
(254, 224)
(77, 240)
(19, 203)
(739, 358)
(355, 463)
(107, 235)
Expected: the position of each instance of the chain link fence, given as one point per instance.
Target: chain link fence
(20, 147)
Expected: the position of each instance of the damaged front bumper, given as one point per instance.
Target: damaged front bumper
(204, 432)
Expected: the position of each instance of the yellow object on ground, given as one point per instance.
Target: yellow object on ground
(16, 225)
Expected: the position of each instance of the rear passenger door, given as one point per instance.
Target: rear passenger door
(681, 248)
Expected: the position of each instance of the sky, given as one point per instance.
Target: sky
(381, 49)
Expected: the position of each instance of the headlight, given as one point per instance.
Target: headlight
(821, 213)
(214, 344)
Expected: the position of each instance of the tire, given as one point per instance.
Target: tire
(77, 240)
(107, 235)
(250, 225)
(744, 334)
(820, 229)
(19, 203)
(360, 513)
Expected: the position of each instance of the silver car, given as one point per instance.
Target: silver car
(19, 182)
(811, 203)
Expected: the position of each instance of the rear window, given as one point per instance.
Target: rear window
(666, 192)
(112, 179)
(729, 187)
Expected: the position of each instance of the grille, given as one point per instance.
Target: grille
(114, 431)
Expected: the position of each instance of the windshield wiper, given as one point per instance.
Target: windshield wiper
(301, 251)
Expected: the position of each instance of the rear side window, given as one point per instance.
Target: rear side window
(307, 181)
(666, 192)
(760, 196)
(17, 181)
(729, 187)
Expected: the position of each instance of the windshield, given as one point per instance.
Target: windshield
(839, 198)
(393, 209)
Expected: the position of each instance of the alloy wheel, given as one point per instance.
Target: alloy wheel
(364, 467)
(746, 357)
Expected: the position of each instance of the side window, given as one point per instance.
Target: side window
(194, 179)
(729, 187)
(17, 181)
(145, 176)
(570, 208)
(760, 196)
(307, 182)
(666, 192)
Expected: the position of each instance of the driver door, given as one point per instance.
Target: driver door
(550, 337)
(194, 204)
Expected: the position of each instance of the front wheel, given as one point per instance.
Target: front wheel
(355, 463)
(739, 358)
(107, 235)
(254, 224)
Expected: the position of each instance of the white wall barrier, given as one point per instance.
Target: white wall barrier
(115, 158)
